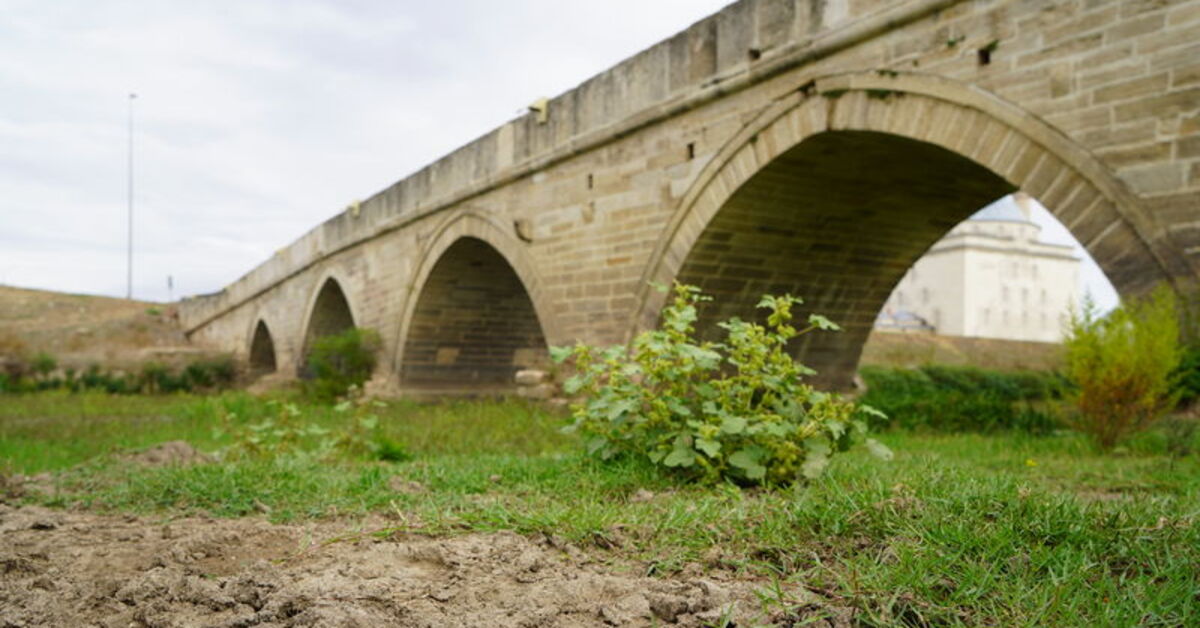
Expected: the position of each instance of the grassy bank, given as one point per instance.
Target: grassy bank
(970, 529)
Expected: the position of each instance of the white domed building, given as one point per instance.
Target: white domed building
(991, 276)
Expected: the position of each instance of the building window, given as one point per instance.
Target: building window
(924, 295)
(1024, 295)
(987, 315)
(899, 299)
(1004, 317)
(1043, 296)
(1004, 294)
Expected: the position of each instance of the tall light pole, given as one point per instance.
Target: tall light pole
(129, 249)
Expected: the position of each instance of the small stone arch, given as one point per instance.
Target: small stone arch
(474, 311)
(971, 133)
(329, 312)
(262, 356)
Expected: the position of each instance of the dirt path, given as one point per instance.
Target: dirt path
(62, 568)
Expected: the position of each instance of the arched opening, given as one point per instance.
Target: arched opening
(836, 220)
(262, 350)
(473, 326)
(330, 315)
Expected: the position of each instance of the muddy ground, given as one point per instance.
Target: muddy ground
(66, 568)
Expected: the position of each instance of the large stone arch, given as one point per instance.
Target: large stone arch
(329, 311)
(474, 309)
(988, 146)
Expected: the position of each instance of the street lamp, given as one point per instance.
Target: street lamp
(129, 249)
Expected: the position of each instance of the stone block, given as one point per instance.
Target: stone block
(1133, 88)
(531, 377)
(541, 391)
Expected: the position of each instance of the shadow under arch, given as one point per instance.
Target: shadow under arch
(262, 358)
(474, 313)
(834, 191)
(329, 313)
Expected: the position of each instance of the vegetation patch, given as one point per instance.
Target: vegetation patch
(339, 362)
(42, 373)
(962, 398)
(734, 410)
(1121, 366)
(999, 529)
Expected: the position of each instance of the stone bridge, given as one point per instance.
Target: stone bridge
(816, 147)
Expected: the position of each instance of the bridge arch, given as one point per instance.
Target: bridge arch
(329, 312)
(833, 191)
(262, 358)
(474, 310)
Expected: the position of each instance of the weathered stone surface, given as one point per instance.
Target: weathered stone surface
(780, 145)
(531, 377)
(540, 391)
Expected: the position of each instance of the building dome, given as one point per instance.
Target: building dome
(1003, 210)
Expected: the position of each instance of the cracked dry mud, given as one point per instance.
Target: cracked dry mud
(64, 568)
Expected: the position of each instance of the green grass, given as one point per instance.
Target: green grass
(55, 430)
(959, 529)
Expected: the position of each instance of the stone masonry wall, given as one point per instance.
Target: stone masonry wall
(473, 324)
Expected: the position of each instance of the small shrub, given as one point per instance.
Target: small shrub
(1120, 366)
(43, 364)
(213, 373)
(340, 361)
(1187, 376)
(359, 434)
(157, 378)
(280, 429)
(389, 450)
(736, 410)
(280, 433)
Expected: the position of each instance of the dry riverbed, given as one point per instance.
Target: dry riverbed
(67, 568)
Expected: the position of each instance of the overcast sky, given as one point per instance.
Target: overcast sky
(256, 120)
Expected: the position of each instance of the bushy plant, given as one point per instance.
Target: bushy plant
(207, 374)
(736, 410)
(1120, 366)
(359, 435)
(340, 361)
(282, 432)
(157, 378)
(1187, 375)
(1183, 428)
(43, 364)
